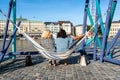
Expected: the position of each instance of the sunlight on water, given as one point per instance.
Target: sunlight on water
(22, 45)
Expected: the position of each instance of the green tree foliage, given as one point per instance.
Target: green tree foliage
(99, 29)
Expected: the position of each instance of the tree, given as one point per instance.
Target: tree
(99, 29)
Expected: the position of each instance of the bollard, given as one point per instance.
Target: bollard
(28, 60)
(83, 61)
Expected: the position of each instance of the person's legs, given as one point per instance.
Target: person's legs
(50, 62)
(63, 61)
(54, 63)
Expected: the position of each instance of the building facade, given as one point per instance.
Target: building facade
(33, 28)
(66, 25)
(2, 27)
(115, 26)
(52, 26)
(78, 29)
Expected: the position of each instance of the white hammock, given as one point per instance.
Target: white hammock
(52, 55)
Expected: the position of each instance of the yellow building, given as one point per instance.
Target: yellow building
(30, 27)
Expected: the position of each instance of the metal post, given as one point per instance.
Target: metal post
(89, 15)
(99, 15)
(95, 36)
(9, 42)
(92, 23)
(113, 42)
(112, 13)
(14, 21)
(105, 36)
(7, 23)
(107, 24)
(84, 22)
(109, 18)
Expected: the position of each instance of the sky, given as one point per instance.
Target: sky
(55, 10)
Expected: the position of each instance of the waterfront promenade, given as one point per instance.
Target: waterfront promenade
(40, 70)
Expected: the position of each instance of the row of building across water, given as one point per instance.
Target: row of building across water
(35, 28)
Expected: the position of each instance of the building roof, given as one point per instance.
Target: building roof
(116, 21)
(48, 23)
(61, 22)
(78, 25)
(64, 22)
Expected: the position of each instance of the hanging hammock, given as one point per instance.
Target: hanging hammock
(53, 55)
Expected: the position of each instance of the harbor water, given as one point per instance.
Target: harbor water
(24, 45)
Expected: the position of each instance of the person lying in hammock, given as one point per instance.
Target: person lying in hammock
(62, 42)
(47, 42)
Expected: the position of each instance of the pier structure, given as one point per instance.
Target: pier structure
(101, 50)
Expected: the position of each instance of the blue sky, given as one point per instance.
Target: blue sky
(55, 10)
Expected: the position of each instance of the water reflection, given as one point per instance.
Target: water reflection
(22, 45)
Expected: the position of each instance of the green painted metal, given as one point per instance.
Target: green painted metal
(7, 58)
(99, 42)
(14, 21)
(89, 15)
(100, 16)
(92, 23)
(89, 41)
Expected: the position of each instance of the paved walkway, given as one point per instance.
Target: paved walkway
(40, 70)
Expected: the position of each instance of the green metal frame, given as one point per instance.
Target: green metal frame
(14, 21)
